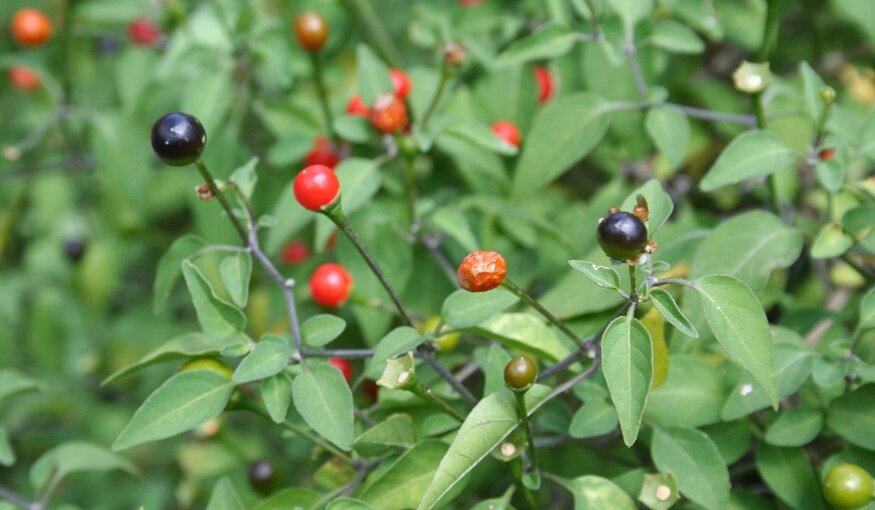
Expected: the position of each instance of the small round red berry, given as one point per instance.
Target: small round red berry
(520, 374)
(311, 31)
(322, 153)
(316, 187)
(344, 367)
(178, 138)
(24, 78)
(143, 32)
(262, 476)
(330, 285)
(30, 27)
(296, 252)
(826, 154)
(622, 236)
(400, 83)
(388, 114)
(370, 389)
(545, 84)
(848, 486)
(356, 106)
(481, 271)
(508, 132)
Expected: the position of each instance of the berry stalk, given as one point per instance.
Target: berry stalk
(208, 177)
(531, 301)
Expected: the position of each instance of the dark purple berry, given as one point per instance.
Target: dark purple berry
(74, 249)
(622, 236)
(262, 476)
(178, 138)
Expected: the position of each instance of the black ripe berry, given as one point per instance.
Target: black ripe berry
(622, 236)
(178, 138)
(74, 249)
(262, 476)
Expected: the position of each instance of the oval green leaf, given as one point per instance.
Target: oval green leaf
(751, 154)
(324, 400)
(696, 463)
(627, 362)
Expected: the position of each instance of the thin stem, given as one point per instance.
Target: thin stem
(426, 355)
(340, 353)
(433, 245)
(574, 381)
(770, 31)
(15, 499)
(522, 294)
(370, 23)
(339, 218)
(530, 438)
(633, 282)
(759, 113)
(631, 55)
(410, 179)
(704, 114)
(594, 22)
(445, 78)
(301, 431)
(208, 177)
(426, 394)
(316, 59)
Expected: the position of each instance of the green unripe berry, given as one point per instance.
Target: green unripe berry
(520, 374)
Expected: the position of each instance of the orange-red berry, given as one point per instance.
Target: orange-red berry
(826, 154)
(344, 367)
(481, 271)
(508, 132)
(323, 153)
(330, 285)
(388, 114)
(311, 31)
(143, 32)
(316, 187)
(296, 252)
(545, 84)
(400, 82)
(24, 78)
(30, 27)
(357, 106)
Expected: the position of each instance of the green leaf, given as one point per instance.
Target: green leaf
(13, 382)
(321, 329)
(188, 345)
(360, 179)
(373, 75)
(595, 418)
(75, 457)
(403, 484)
(788, 472)
(652, 492)
(748, 246)
(603, 276)
(738, 321)
(792, 366)
(478, 134)
(276, 393)
(353, 128)
(452, 221)
(631, 11)
(235, 271)
(691, 396)
(696, 463)
(182, 403)
(324, 400)
(348, 504)
(245, 177)
(463, 309)
(811, 86)
(484, 429)
(565, 131)
(831, 241)
(751, 154)
(659, 204)
(396, 431)
(524, 331)
(852, 416)
(269, 357)
(676, 37)
(627, 363)
(669, 129)
(7, 454)
(596, 493)
(225, 497)
(666, 305)
(867, 313)
(398, 341)
(796, 427)
(169, 268)
(297, 499)
(217, 317)
(550, 41)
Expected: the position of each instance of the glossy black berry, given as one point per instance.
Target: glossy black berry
(622, 236)
(74, 249)
(520, 374)
(178, 138)
(262, 476)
